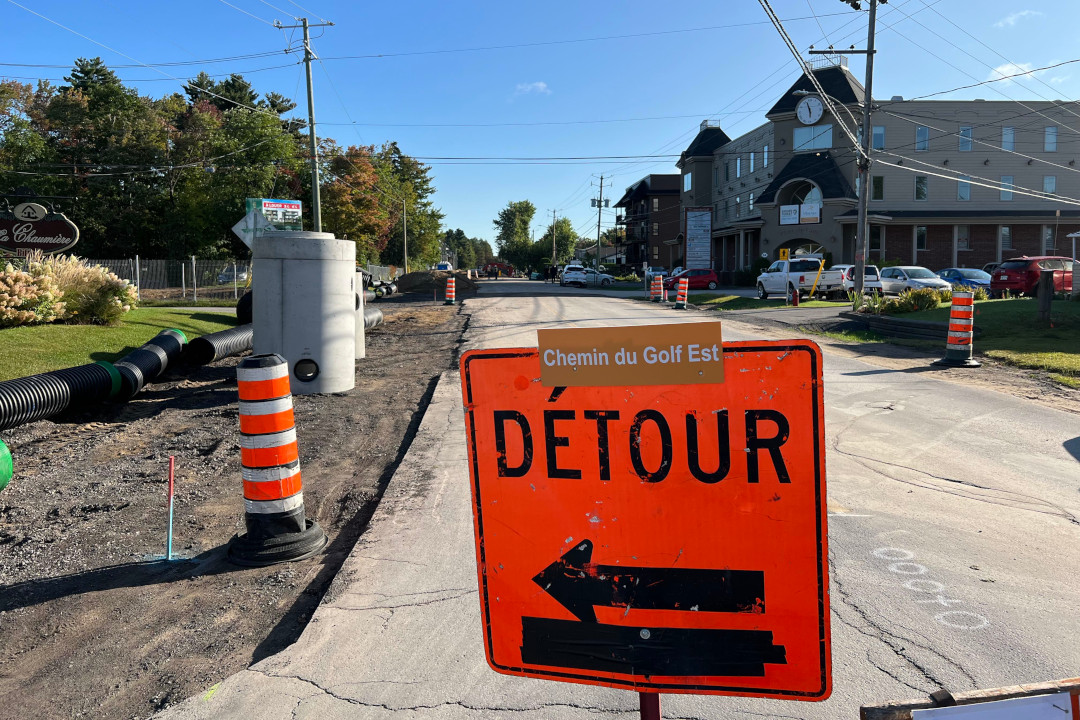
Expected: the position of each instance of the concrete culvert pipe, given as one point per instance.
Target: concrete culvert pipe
(373, 317)
(214, 346)
(39, 397)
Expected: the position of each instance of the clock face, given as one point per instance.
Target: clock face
(809, 110)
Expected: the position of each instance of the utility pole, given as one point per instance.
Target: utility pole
(553, 260)
(309, 55)
(862, 232)
(405, 235)
(599, 213)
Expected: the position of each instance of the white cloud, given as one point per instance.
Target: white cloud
(538, 88)
(1006, 69)
(1058, 79)
(1011, 20)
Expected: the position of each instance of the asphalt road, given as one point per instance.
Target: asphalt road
(952, 533)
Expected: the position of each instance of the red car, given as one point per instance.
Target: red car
(1021, 275)
(699, 280)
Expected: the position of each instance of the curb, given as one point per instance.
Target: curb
(900, 327)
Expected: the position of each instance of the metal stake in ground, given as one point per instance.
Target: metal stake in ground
(277, 530)
(961, 330)
(168, 536)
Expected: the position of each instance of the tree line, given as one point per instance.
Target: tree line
(167, 177)
(556, 246)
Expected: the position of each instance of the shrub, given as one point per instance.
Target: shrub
(912, 301)
(944, 295)
(977, 293)
(92, 294)
(26, 299)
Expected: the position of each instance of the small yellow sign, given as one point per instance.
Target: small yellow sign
(784, 254)
(670, 354)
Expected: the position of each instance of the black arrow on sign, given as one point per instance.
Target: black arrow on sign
(579, 585)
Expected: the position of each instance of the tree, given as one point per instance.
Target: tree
(564, 244)
(350, 205)
(405, 185)
(512, 239)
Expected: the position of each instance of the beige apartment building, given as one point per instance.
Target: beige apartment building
(952, 183)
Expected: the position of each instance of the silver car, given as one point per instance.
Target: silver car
(895, 280)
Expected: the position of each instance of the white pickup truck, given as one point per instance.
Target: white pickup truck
(783, 277)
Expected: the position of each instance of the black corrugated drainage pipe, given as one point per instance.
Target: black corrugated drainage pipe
(214, 346)
(369, 296)
(38, 397)
(142, 366)
(373, 317)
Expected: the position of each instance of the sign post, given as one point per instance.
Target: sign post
(649, 510)
(698, 253)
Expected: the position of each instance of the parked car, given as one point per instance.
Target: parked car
(966, 277)
(595, 278)
(1021, 275)
(696, 280)
(871, 278)
(895, 280)
(804, 273)
(655, 271)
(573, 275)
(990, 267)
(232, 273)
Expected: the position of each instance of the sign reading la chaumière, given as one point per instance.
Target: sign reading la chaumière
(29, 226)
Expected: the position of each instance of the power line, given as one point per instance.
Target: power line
(177, 63)
(251, 15)
(539, 123)
(988, 82)
(164, 79)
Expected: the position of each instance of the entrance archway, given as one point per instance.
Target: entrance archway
(800, 246)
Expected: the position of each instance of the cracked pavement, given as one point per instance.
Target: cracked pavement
(975, 490)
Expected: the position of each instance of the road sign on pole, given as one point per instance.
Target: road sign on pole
(669, 538)
(252, 224)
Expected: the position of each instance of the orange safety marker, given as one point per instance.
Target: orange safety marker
(451, 294)
(958, 347)
(277, 530)
(657, 289)
(680, 297)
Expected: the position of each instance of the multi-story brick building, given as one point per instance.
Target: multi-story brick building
(650, 214)
(958, 183)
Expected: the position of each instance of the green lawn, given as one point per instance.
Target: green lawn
(714, 301)
(41, 348)
(1010, 332)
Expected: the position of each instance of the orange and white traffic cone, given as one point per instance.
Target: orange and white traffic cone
(657, 289)
(680, 297)
(958, 348)
(277, 530)
(451, 295)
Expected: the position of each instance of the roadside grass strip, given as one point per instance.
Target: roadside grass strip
(28, 350)
(715, 301)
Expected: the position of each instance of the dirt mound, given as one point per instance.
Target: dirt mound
(427, 281)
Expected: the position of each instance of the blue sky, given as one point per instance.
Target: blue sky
(589, 79)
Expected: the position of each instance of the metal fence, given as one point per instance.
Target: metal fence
(198, 277)
(192, 278)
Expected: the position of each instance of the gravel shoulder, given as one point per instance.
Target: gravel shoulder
(93, 623)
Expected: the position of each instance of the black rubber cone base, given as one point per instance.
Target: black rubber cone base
(277, 549)
(965, 362)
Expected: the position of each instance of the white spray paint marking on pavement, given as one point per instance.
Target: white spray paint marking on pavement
(901, 563)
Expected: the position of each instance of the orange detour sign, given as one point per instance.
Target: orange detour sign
(654, 537)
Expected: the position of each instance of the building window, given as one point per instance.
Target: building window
(875, 237)
(738, 167)
(1048, 239)
(738, 206)
(963, 188)
(920, 237)
(1050, 184)
(815, 137)
(751, 202)
(877, 139)
(765, 157)
(965, 139)
(922, 138)
(686, 182)
(655, 204)
(727, 171)
(963, 237)
(877, 187)
(655, 252)
(715, 176)
(1006, 187)
(921, 183)
(1050, 139)
(751, 162)
(655, 229)
(1008, 139)
(1006, 237)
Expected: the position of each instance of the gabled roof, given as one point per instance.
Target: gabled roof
(817, 167)
(650, 185)
(837, 82)
(705, 143)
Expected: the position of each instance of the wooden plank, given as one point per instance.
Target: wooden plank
(901, 709)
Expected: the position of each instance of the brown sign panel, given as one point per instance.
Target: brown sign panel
(669, 354)
(21, 233)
